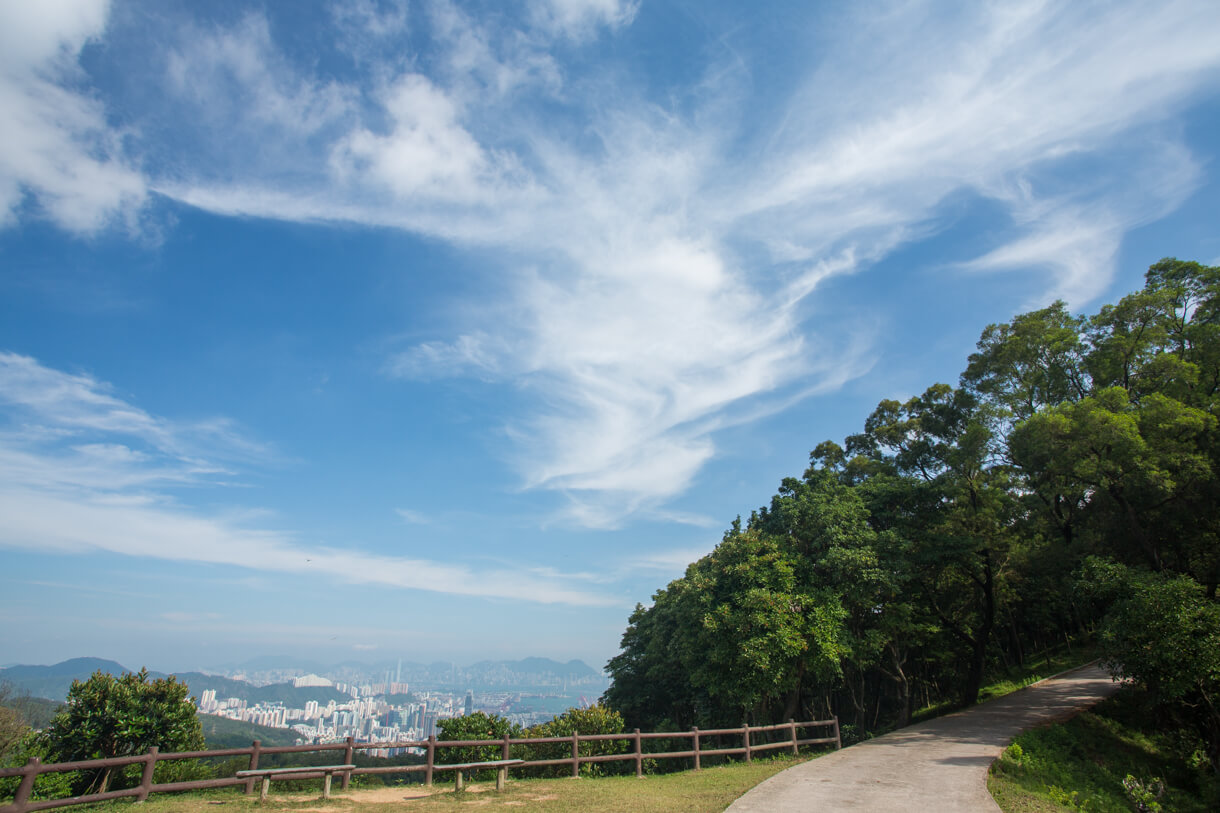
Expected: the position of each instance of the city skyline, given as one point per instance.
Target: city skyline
(353, 328)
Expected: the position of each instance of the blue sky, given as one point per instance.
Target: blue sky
(372, 329)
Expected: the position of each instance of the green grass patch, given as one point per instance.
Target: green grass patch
(711, 789)
(1083, 764)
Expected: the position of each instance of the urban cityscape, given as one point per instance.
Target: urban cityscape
(394, 710)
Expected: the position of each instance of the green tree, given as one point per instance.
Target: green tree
(108, 717)
(1163, 633)
(596, 719)
(947, 446)
(476, 726)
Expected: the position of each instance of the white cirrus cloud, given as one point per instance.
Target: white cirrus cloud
(72, 481)
(59, 151)
(579, 19)
(661, 252)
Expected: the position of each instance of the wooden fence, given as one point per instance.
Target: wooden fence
(696, 751)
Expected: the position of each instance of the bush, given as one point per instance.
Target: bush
(109, 717)
(48, 785)
(477, 726)
(596, 719)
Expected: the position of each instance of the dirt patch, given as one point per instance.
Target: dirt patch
(387, 795)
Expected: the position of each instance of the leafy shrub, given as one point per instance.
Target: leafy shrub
(597, 719)
(1144, 795)
(48, 785)
(108, 717)
(476, 726)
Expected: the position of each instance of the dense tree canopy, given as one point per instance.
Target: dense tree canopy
(107, 717)
(1067, 484)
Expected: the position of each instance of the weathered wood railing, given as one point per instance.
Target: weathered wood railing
(29, 773)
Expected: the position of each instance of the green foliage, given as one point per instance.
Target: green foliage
(1068, 484)
(48, 785)
(1163, 633)
(596, 719)
(1144, 795)
(775, 606)
(108, 717)
(1100, 761)
(476, 726)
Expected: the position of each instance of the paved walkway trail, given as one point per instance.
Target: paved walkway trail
(940, 765)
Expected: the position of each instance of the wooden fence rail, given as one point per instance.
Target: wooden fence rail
(29, 773)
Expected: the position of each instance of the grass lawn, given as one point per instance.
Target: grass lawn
(1081, 765)
(711, 789)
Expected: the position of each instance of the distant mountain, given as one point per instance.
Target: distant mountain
(572, 668)
(53, 682)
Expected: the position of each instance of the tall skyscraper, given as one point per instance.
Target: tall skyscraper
(469, 702)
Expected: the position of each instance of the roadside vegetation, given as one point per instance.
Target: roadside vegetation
(1064, 489)
(1113, 758)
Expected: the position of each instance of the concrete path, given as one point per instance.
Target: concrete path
(940, 765)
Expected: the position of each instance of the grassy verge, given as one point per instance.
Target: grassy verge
(711, 789)
(1082, 765)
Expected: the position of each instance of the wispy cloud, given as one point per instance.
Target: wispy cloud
(660, 260)
(103, 496)
(581, 18)
(61, 429)
(412, 517)
(59, 154)
(185, 618)
(674, 561)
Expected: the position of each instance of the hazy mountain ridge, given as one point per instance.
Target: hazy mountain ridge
(52, 682)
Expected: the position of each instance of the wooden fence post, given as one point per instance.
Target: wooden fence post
(695, 746)
(639, 755)
(575, 754)
(348, 753)
(255, 747)
(431, 760)
(502, 774)
(792, 728)
(150, 764)
(838, 739)
(29, 774)
(745, 737)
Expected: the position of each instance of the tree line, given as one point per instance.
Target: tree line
(1066, 487)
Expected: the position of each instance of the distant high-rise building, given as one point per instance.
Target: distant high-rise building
(311, 680)
(469, 702)
(398, 676)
